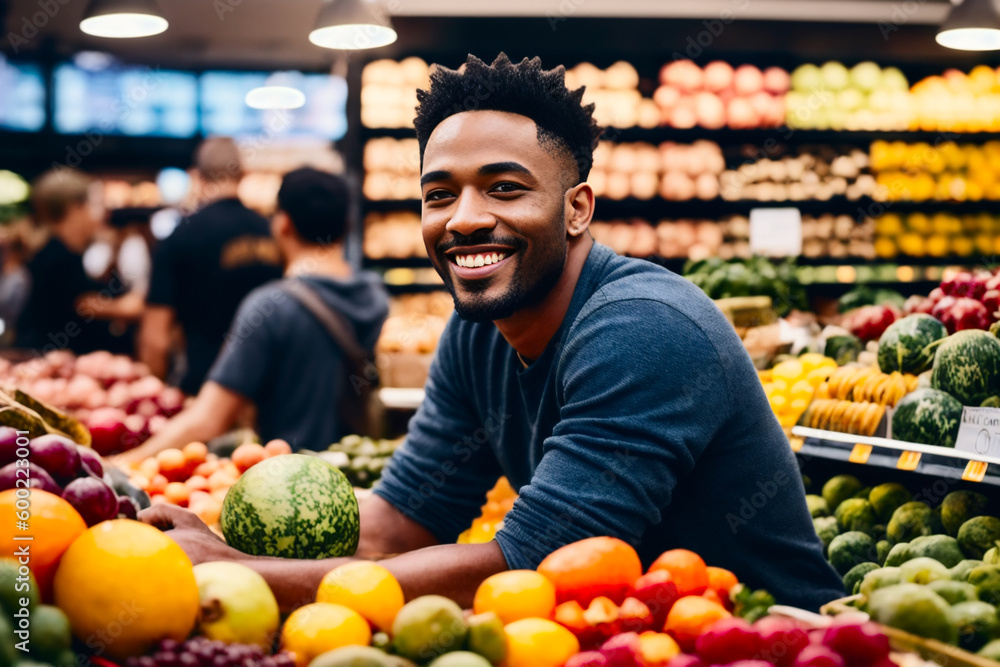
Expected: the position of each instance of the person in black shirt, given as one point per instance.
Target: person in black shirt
(203, 270)
(277, 354)
(65, 307)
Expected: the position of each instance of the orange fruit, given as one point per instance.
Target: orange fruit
(687, 569)
(139, 481)
(248, 455)
(320, 627)
(721, 581)
(53, 524)
(196, 483)
(690, 617)
(538, 642)
(277, 447)
(592, 567)
(657, 648)
(173, 465)
(205, 507)
(149, 468)
(516, 594)
(158, 484)
(125, 586)
(367, 588)
(195, 452)
(207, 468)
(220, 480)
(178, 493)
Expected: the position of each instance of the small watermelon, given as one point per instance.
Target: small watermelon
(928, 417)
(967, 366)
(907, 345)
(292, 506)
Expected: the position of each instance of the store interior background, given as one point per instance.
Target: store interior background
(267, 36)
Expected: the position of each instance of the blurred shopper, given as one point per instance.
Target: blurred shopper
(15, 279)
(278, 354)
(203, 270)
(64, 301)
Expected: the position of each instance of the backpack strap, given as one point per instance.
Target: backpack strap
(336, 325)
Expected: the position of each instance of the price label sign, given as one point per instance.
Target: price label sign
(979, 431)
(776, 232)
(860, 453)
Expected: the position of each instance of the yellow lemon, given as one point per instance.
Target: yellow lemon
(129, 584)
(538, 642)
(811, 361)
(798, 406)
(320, 627)
(801, 389)
(516, 594)
(790, 371)
(367, 588)
(778, 402)
(779, 386)
(817, 376)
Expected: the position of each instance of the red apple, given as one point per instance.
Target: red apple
(107, 430)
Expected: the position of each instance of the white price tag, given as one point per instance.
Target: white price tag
(776, 232)
(979, 431)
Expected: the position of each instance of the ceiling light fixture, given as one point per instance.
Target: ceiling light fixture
(123, 19)
(275, 97)
(352, 25)
(972, 25)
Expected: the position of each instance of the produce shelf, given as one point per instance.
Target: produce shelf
(786, 135)
(927, 460)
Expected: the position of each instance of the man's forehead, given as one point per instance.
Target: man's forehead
(499, 135)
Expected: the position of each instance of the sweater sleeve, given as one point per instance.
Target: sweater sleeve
(643, 393)
(440, 475)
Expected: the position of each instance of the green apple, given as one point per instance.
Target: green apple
(237, 605)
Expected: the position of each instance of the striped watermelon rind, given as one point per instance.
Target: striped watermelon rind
(907, 345)
(928, 417)
(967, 366)
(292, 506)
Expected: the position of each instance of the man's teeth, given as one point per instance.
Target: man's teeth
(482, 259)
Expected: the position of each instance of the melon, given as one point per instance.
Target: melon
(928, 417)
(967, 366)
(908, 346)
(292, 506)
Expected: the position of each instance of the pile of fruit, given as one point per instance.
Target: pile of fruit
(614, 92)
(361, 458)
(56, 464)
(117, 398)
(942, 234)
(499, 500)
(756, 276)
(196, 479)
(931, 571)
(865, 97)
(945, 171)
(719, 96)
(389, 91)
(965, 300)
(392, 169)
(393, 235)
(676, 172)
(812, 173)
(791, 385)
(958, 102)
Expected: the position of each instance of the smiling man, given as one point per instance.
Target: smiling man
(612, 393)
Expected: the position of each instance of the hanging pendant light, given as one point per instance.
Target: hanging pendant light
(972, 25)
(123, 19)
(352, 25)
(278, 92)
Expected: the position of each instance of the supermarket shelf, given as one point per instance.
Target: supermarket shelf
(398, 398)
(413, 288)
(387, 205)
(786, 135)
(730, 137)
(397, 263)
(898, 455)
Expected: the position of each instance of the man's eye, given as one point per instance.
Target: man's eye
(507, 187)
(436, 195)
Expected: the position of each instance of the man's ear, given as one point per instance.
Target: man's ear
(281, 225)
(579, 209)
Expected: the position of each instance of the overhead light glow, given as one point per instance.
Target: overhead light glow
(124, 26)
(275, 97)
(352, 25)
(972, 25)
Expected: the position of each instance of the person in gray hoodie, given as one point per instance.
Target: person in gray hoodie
(278, 355)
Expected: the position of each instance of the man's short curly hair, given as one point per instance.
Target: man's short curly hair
(564, 122)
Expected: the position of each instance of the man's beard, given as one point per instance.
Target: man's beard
(526, 287)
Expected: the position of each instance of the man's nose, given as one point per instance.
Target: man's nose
(471, 214)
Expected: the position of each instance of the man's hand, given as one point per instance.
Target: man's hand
(199, 543)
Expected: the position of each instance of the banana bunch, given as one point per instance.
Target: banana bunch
(867, 384)
(856, 417)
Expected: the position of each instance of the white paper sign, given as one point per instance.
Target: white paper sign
(776, 232)
(979, 431)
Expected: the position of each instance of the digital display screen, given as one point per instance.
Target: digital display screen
(224, 109)
(132, 100)
(22, 96)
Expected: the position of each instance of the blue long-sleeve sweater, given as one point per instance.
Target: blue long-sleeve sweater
(643, 419)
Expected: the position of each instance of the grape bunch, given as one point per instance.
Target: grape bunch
(203, 652)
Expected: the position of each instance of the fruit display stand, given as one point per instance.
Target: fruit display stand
(927, 460)
(935, 651)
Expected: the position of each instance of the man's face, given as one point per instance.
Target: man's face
(494, 212)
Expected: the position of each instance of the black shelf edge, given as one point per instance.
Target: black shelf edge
(397, 263)
(413, 288)
(785, 135)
